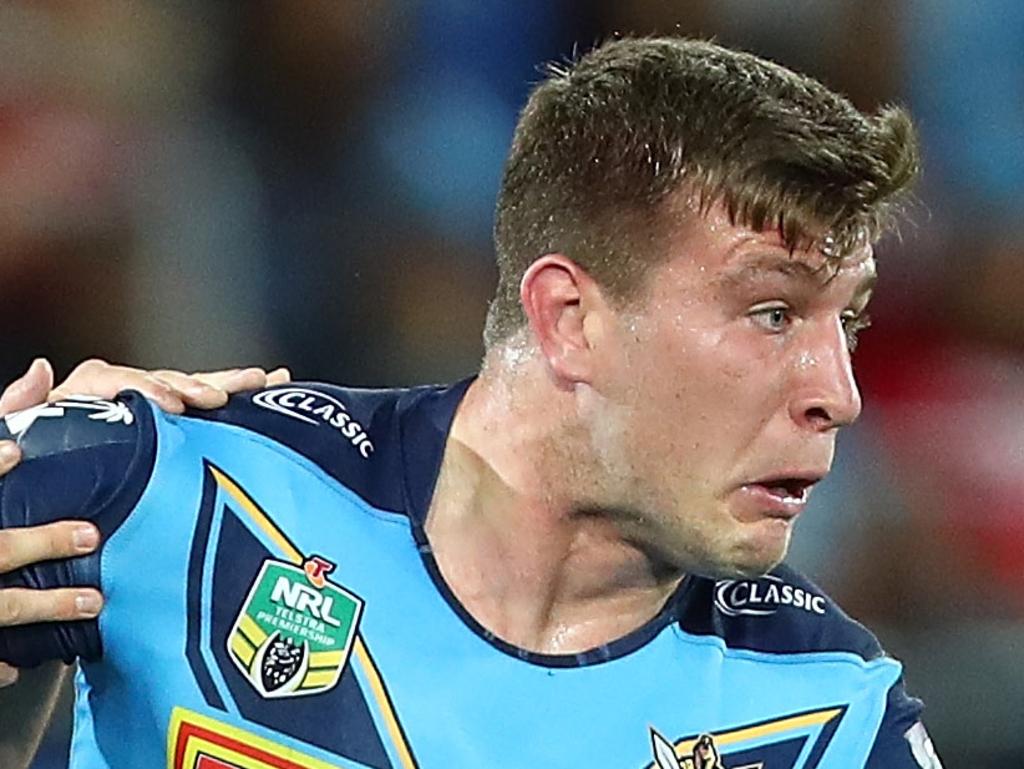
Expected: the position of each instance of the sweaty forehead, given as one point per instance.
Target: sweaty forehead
(764, 262)
(711, 257)
(724, 251)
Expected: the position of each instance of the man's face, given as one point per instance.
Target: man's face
(722, 392)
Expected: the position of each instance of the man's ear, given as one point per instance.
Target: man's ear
(563, 305)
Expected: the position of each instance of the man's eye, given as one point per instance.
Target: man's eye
(774, 319)
(852, 326)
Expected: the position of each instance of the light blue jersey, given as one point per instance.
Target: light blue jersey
(272, 601)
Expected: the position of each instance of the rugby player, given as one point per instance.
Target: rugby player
(574, 556)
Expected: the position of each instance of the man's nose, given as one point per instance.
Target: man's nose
(826, 394)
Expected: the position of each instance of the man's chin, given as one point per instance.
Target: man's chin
(746, 550)
(753, 571)
(735, 571)
(734, 566)
(760, 563)
(750, 558)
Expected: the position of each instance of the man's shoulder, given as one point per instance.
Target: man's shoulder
(361, 437)
(314, 413)
(74, 423)
(81, 457)
(785, 618)
(782, 612)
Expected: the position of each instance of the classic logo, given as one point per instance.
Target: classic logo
(761, 597)
(295, 630)
(110, 412)
(316, 408)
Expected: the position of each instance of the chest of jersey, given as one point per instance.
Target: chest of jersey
(263, 615)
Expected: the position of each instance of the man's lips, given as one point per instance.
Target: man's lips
(782, 495)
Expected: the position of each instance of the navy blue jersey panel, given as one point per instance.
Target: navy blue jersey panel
(426, 416)
(781, 754)
(901, 734)
(778, 613)
(83, 459)
(195, 617)
(349, 433)
(363, 438)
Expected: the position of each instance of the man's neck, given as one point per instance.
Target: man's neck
(510, 537)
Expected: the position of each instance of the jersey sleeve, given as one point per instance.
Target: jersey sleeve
(902, 741)
(82, 458)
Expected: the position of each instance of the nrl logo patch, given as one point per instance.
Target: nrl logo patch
(295, 630)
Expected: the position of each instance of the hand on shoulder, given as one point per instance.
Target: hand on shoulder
(172, 391)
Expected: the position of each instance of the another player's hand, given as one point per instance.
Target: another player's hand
(172, 391)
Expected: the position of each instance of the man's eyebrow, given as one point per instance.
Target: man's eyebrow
(792, 268)
(786, 266)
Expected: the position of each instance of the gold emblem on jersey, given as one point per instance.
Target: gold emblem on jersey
(776, 743)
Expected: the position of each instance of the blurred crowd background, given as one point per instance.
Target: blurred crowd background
(311, 183)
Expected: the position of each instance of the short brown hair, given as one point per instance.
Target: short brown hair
(603, 142)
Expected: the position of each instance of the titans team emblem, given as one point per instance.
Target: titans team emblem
(704, 754)
(795, 741)
(295, 630)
